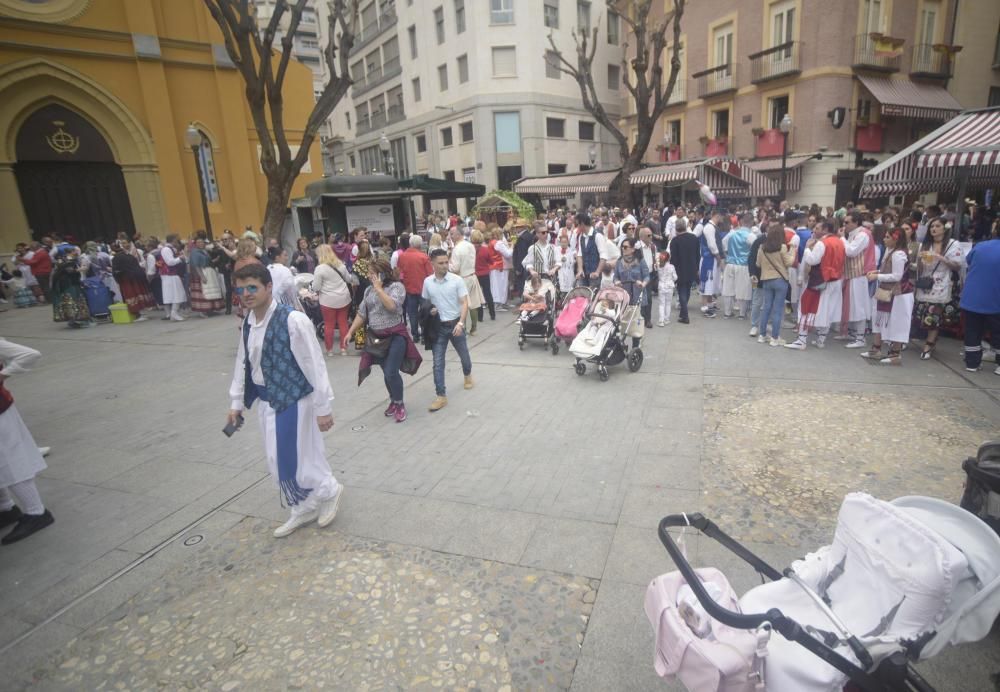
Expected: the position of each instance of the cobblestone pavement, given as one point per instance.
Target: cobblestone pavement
(504, 542)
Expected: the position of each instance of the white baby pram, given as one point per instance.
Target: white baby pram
(901, 581)
(605, 341)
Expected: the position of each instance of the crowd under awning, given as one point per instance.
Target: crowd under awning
(727, 178)
(909, 99)
(564, 184)
(771, 168)
(963, 155)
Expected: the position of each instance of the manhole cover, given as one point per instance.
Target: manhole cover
(193, 540)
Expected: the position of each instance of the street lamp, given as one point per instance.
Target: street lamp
(785, 126)
(592, 156)
(193, 139)
(383, 145)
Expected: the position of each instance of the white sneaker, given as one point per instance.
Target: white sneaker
(754, 331)
(661, 323)
(176, 319)
(997, 371)
(858, 343)
(665, 323)
(761, 339)
(140, 318)
(328, 508)
(798, 345)
(294, 522)
(820, 343)
(44, 451)
(777, 342)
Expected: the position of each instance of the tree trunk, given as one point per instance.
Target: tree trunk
(623, 188)
(277, 204)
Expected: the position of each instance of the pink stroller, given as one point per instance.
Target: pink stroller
(573, 314)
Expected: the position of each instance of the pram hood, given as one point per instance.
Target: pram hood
(616, 294)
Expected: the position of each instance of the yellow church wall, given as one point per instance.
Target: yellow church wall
(147, 106)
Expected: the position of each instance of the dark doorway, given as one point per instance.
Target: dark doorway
(68, 179)
(506, 175)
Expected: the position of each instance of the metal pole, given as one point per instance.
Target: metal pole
(784, 158)
(201, 192)
(963, 182)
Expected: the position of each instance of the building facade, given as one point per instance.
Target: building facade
(976, 80)
(466, 91)
(858, 81)
(96, 97)
(305, 42)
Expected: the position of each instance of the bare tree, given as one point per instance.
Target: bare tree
(252, 51)
(642, 75)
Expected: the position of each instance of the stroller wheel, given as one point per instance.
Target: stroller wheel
(555, 347)
(320, 331)
(602, 372)
(580, 368)
(635, 360)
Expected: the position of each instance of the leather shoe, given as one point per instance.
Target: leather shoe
(10, 516)
(27, 525)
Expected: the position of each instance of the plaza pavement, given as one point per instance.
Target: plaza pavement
(502, 543)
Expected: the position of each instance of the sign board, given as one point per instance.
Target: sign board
(377, 218)
(293, 150)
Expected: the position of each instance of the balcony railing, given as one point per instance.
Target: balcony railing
(772, 63)
(679, 94)
(395, 114)
(385, 20)
(716, 80)
(866, 55)
(377, 75)
(928, 62)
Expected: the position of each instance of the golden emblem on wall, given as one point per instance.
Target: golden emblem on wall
(61, 141)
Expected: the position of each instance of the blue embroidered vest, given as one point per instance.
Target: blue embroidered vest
(591, 257)
(283, 378)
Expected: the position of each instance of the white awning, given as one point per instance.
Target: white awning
(908, 99)
(567, 183)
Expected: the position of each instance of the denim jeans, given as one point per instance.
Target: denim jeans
(445, 334)
(774, 305)
(756, 304)
(976, 324)
(410, 306)
(684, 297)
(390, 368)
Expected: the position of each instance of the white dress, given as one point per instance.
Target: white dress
(831, 298)
(173, 287)
(20, 459)
(895, 324)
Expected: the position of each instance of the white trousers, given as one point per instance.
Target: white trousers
(27, 496)
(666, 303)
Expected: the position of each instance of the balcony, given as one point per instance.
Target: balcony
(365, 36)
(715, 80)
(931, 61)
(679, 94)
(870, 54)
(780, 61)
(377, 75)
(395, 114)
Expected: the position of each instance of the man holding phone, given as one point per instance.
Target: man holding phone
(279, 362)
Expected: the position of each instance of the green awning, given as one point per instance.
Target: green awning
(436, 188)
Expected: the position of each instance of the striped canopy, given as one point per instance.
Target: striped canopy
(968, 145)
(567, 184)
(771, 168)
(723, 183)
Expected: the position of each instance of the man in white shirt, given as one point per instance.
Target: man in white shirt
(593, 252)
(449, 296)
(463, 263)
(672, 222)
(280, 363)
(541, 257)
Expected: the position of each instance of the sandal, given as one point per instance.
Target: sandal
(893, 358)
(874, 353)
(925, 354)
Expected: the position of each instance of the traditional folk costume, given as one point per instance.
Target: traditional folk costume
(169, 266)
(463, 263)
(131, 278)
(821, 302)
(279, 362)
(500, 265)
(892, 317)
(20, 458)
(69, 304)
(859, 249)
(709, 249)
(736, 283)
(207, 291)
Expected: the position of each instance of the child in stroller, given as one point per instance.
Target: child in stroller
(573, 314)
(604, 345)
(537, 314)
(310, 302)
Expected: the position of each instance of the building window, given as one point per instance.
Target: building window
(400, 164)
(586, 131)
(872, 16)
(583, 15)
(555, 127)
(994, 97)
(206, 162)
(463, 69)
(674, 130)
(466, 131)
(443, 77)
(551, 14)
(720, 123)
(613, 27)
(421, 141)
(996, 51)
(723, 39)
(501, 11)
(552, 65)
(782, 22)
(557, 168)
(412, 35)
(469, 175)
(439, 24)
(348, 117)
(459, 16)
(864, 111)
(777, 107)
(507, 128)
(416, 89)
(504, 61)
(614, 77)
(353, 162)
(446, 140)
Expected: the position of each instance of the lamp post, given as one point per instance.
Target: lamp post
(785, 126)
(383, 145)
(193, 139)
(592, 156)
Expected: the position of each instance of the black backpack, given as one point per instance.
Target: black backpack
(982, 484)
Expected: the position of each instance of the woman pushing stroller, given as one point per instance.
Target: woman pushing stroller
(632, 274)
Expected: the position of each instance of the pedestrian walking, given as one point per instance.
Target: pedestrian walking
(332, 283)
(685, 253)
(414, 266)
(279, 362)
(667, 278)
(981, 302)
(463, 263)
(449, 299)
(20, 458)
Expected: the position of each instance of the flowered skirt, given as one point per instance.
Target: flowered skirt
(937, 315)
(70, 305)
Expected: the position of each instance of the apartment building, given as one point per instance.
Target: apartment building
(305, 46)
(976, 79)
(858, 80)
(466, 91)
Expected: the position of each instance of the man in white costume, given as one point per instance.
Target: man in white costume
(280, 363)
(170, 281)
(463, 263)
(822, 298)
(859, 247)
(20, 458)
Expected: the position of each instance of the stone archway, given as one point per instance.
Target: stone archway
(27, 85)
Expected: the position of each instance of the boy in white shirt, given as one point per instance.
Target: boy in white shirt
(668, 279)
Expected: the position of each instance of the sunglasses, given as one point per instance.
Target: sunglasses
(240, 290)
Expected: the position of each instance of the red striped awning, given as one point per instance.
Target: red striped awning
(567, 184)
(724, 184)
(908, 99)
(772, 169)
(966, 147)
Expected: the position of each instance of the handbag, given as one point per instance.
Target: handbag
(926, 283)
(377, 346)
